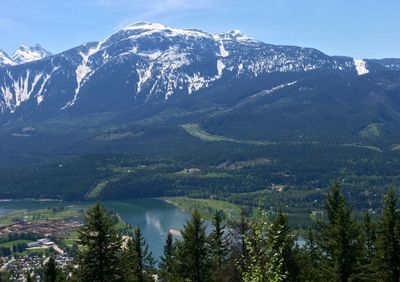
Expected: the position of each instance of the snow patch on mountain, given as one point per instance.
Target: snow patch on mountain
(20, 89)
(361, 67)
(7, 97)
(220, 68)
(164, 61)
(235, 35)
(144, 75)
(29, 54)
(223, 53)
(39, 95)
(147, 29)
(196, 82)
(267, 92)
(5, 59)
(151, 55)
(82, 72)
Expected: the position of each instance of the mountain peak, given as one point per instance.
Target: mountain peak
(26, 54)
(235, 35)
(147, 29)
(145, 25)
(5, 59)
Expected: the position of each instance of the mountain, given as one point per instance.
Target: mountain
(29, 54)
(5, 59)
(231, 83)
(23, 55)
(132, 116)
(145, 63)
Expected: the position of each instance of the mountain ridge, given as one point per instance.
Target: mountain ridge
(182, 60)
(23, 55)
(228, 83)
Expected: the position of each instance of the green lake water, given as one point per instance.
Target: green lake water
(155, 217)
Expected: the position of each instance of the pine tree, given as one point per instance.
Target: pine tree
(50, 271)
(269, 248)
(312, 247)
(309, 259)
(139, 262)
(388, 241)
(369, 238)
(167, 264)
(4, 276)
(29, 277)
(338, 237)
(99, 257)
(256, 263)
(218, 242)
(238, 232)
(281, 242)
(366, 268)
(194, 263)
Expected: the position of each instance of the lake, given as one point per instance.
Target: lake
(155, 217)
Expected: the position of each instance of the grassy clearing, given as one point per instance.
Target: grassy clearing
(39, 215)
(119, 171)
(244, 164)
(371, 131)
(70, 238)
(40, 252)
(395, 148)
(373, 148)
(95, 192)
(207, 207)
(195, 130)
(15, 242)
(118, 136)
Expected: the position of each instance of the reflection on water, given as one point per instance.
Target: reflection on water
(154, 217)
(153, 222)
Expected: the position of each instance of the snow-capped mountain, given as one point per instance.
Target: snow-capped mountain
(29, 54)
(5, 59)
(150, 63)
(23, 55)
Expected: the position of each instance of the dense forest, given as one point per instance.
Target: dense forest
(258, 248)
(284, 177)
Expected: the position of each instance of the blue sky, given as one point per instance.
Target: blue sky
(359, 28)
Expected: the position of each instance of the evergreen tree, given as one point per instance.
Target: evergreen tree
(369, 238)
(139, 262)
(167, 263)
(51, 273)
(366, 268)
(269, 248)
(238, 232)
(388, 241)
(257, 260)
(339, 237)
(99, 257)
(309, 259)
(4, 277)
(281, 242)
(218, 242)
(194, 263)
(29, 277)
(312, 248)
